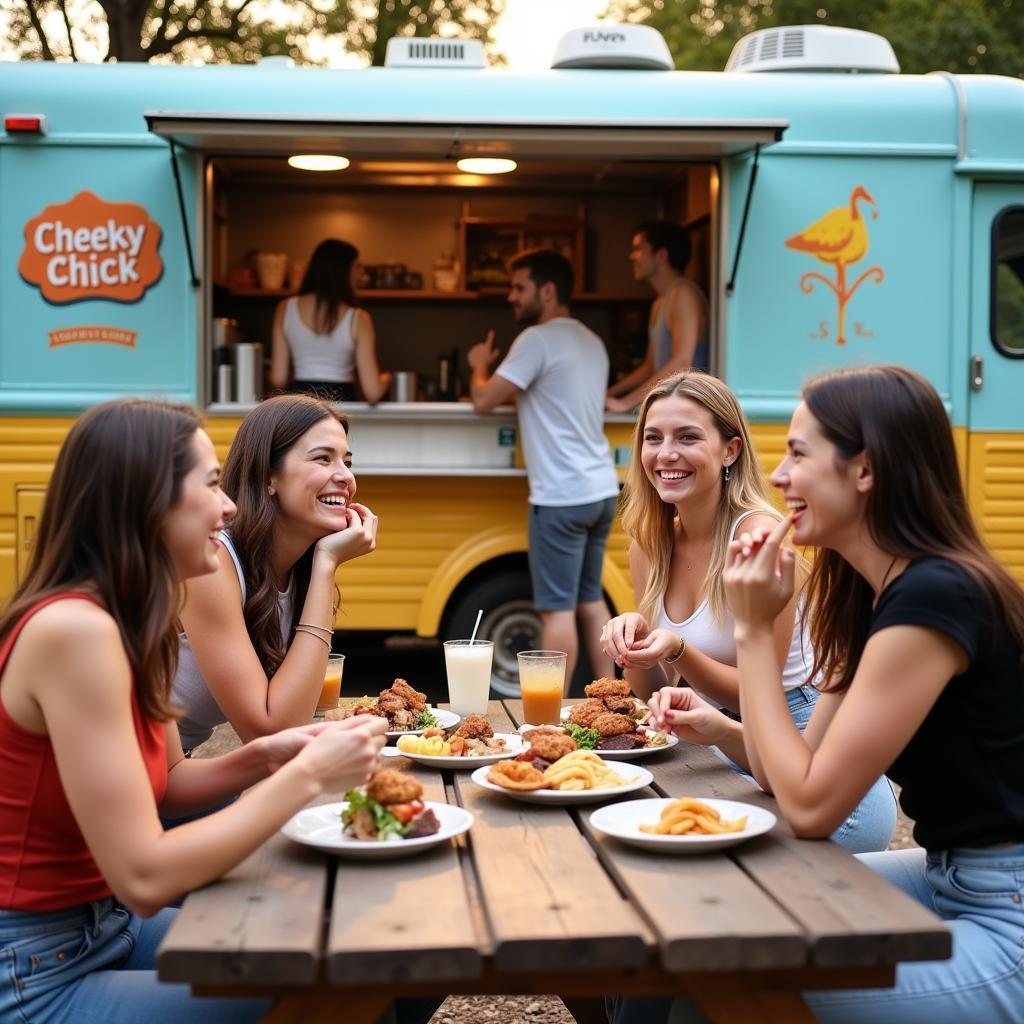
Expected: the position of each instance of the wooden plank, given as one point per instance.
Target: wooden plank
(852, 916)
(403, 920)
(263, 922)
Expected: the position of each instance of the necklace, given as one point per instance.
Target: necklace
(885, 578)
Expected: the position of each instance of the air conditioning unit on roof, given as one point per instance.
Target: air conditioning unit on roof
(411, 52)
(813, 48)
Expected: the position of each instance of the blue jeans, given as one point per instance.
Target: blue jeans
(871, 823)
(978, 893)
(94, 964)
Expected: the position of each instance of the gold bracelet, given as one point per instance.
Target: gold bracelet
(313, 625)
(322, 639)
(679, 652)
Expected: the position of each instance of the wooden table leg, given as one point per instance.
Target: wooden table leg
(322, 1008)
(730, 1003)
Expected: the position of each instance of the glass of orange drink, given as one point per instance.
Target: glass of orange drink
(542, 683)
(330, 694)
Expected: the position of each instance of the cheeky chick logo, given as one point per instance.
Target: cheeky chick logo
(88, 248)
(839, 239)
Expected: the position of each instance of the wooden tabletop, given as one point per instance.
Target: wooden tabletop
(531, 900)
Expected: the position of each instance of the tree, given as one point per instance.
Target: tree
(231, 30)
(956, 35)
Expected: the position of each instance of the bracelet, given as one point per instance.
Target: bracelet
(313, 625)
(679, 652)
(322, 639)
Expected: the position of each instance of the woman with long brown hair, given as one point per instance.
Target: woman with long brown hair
(323, 336)
(693, 484)
(257, 632)
(88, 744)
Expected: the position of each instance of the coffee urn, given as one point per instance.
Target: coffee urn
(248, 374)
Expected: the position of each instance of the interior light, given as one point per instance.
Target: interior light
(318, 162)
(486, 165)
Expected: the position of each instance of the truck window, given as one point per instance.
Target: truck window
(1008, 281)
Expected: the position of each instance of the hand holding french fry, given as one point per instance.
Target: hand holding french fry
(680, 710)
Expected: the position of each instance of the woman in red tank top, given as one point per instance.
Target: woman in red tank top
(89, 752)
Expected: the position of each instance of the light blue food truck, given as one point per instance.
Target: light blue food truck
(842, 213)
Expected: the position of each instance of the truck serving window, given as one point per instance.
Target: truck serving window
(1007, 317)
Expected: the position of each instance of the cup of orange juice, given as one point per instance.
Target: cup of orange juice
(541, 683)
(331, 691)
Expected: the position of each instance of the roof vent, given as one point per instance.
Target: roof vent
(410, 52)
(813, 48)
(638, 47)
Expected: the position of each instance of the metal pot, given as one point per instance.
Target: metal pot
(404, 386)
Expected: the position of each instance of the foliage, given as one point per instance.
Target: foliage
(956, 35)
(236, 31)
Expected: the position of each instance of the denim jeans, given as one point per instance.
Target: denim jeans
(94, 964)
(978, 893)
(871, 823)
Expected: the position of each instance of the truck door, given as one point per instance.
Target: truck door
(995, 456)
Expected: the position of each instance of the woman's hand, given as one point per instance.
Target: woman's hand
(279, 748)
(656, 646)
(680, 710)
(620, 633)
(359, 537)
(759, 577)
(344, 754)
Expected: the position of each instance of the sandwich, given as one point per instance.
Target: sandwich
(390, 808)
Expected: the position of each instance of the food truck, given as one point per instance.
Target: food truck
(842, 213)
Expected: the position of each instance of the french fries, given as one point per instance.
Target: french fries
(579, 770)
(687, 816)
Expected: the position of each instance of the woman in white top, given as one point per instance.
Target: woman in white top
(258, 631)
(693, 480)
(323, 334)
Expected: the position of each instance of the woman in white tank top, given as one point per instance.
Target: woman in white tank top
(693, 480)
(321, 340)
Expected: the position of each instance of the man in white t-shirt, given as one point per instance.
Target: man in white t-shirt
(557, 372)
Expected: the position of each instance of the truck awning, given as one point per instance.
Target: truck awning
(365, 138)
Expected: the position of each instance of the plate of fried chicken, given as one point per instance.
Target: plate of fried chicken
(405, 708)
(471, 744)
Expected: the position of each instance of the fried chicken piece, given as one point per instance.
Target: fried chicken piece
(373, 709)
(415, 700)
(519, 775)
(607, 687)
(474, 727)
(549, 744)
(404, 719)
(390, 786)
(610, 724)
(583, 714)
(620, 705)
(390, 702)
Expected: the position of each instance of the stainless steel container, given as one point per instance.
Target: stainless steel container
(248, 372)
(404, 386)
(225, 332)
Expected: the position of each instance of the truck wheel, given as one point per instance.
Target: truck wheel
(509, 622)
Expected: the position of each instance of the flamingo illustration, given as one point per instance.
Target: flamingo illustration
(839, 238)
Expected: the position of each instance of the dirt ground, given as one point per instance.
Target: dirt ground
(504, 1009)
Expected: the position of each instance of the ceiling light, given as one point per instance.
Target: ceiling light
(318, 162)
(486, 165)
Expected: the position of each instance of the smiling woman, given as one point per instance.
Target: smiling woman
(258, 631)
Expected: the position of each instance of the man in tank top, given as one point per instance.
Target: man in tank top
(678, 327)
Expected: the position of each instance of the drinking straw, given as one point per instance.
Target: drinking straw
(479, 616)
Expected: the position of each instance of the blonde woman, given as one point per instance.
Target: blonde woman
(693, 483)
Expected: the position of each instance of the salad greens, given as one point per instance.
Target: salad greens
(426, 719)
(586, 739)
(384, 821)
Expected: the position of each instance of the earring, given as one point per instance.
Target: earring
(726, 474)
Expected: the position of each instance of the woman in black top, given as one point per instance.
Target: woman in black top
(920, 633)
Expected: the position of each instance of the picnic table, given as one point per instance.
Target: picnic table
(532, 901)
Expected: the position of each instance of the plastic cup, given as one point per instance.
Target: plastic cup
(330, 694)
(468, 666)
(542, 683)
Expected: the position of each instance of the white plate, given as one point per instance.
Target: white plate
(623, 821)
(514, 745)
(445, 720)
(626, 755)
(633, 778)
(321, 828)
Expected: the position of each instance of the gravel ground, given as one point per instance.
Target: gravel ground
(504, 1009)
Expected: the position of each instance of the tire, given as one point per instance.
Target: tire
(509, 620)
